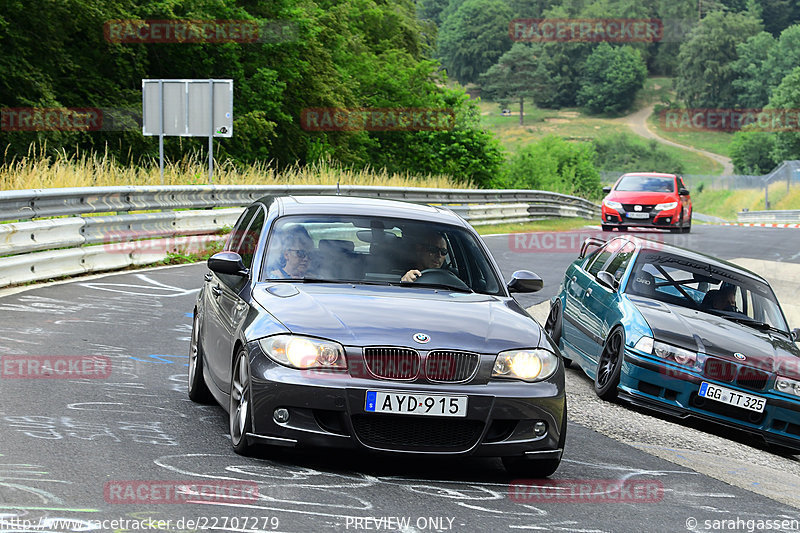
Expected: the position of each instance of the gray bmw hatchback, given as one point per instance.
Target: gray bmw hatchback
(375, 325)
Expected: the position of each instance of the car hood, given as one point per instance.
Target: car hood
(717, 336)
(363, 315)
(648, 198)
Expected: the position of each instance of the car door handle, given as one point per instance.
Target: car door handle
(588, 292)
(208, 277)
(216, 291)
(574, 279)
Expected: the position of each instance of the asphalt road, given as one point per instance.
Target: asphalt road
(71, 449)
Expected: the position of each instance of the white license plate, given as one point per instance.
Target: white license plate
(732, 397)
(637, 215)
(397, 403)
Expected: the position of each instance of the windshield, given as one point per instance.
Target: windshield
(377, 250)
(646, 184)
(697, 285)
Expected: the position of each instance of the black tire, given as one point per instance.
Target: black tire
(606, 227)
(239, 417)
(553, 327)
(688, 228)
(609, 366)
(198, 390)
(537, 468)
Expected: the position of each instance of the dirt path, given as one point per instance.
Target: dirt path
(638, 123)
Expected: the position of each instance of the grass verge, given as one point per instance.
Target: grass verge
(37, 171)
(549, 224)
(726, 203)
(717, 142)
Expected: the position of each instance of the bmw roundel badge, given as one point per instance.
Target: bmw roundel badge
(421, 338)
(740, 356)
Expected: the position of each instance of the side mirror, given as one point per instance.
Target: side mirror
(228, 263)
(683, 192)
(525, 281)
(607, 279)
(606, 190)
(796, 334)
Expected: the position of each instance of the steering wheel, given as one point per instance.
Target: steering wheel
(441, 276)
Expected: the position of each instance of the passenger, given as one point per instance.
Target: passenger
(295, 254)
(430, 252)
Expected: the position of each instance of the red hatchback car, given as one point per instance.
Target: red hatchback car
(647, 199)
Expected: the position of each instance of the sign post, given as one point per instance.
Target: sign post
(187, 108)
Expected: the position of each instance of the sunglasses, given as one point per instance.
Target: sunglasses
(435, 249)
(302, 254)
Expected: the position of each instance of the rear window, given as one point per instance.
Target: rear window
(646, 184)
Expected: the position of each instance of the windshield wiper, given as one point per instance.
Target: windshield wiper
(753, 323)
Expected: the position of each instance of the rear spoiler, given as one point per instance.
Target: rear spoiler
(590, 241)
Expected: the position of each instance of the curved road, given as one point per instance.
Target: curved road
(638, 123)
(82, 449)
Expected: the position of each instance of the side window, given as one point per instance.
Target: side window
(620, 262)
(249, 240)
(600, 259)
(235, 238)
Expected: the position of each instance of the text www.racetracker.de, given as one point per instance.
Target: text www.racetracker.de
(199, 522)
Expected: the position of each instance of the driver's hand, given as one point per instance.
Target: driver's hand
(411, 275)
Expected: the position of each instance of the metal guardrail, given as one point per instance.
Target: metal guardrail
(35, 247)
(776, 217)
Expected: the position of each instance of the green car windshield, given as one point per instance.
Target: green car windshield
(697, 285)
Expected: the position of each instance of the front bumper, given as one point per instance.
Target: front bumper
(655, 219)
(327, 409)
(671, 389)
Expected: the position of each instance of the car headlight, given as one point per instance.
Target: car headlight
(304, 352)
(612, 204)
(645, 344)
(788, 386)
(528, 365)
(667, 206)
(679, 355)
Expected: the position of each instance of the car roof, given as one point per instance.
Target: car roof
(356, 205)
(649, 175)
(651, 245)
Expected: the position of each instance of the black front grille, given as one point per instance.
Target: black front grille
(447, 366)
(752, 378)
(392, 363)
(719, 370)
(415, 433)
(632, 208)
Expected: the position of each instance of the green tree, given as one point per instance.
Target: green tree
(473, 38)
(554, 164)
(516, 75)
(622, 152)
(752, 87)
(787, 97)
(752, 152)
(706, 61)
(611, 77)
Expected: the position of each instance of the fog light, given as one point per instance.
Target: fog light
(668, 220)
(281, 415)
(540, 428)
(609, 217)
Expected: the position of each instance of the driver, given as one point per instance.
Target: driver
(725, 299)
(430, 253)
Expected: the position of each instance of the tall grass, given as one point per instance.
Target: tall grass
(725, 203)
(37, 171)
